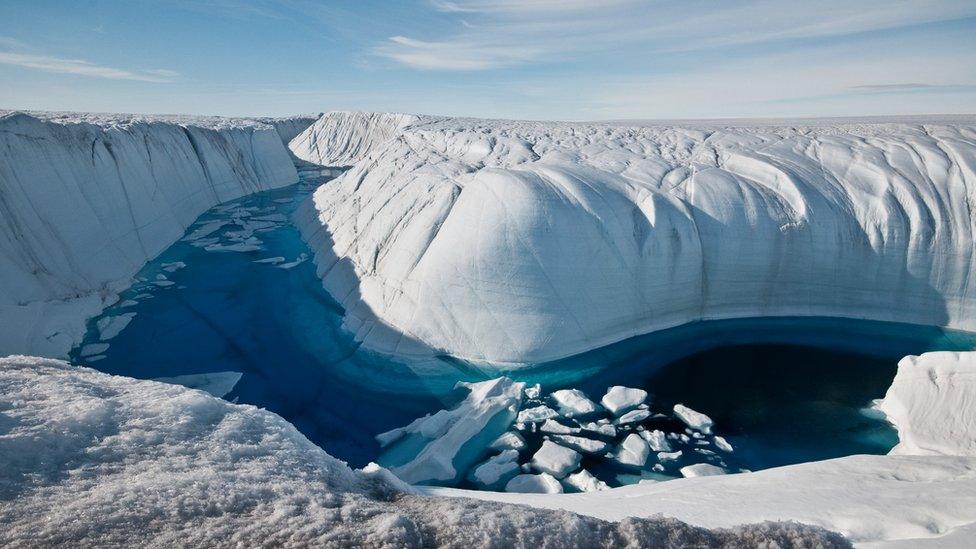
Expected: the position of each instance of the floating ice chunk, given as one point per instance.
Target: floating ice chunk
(111, 326)
(298, 261)
(451, 441)
(205, 230)
(204, 242)
(93, 349)
(573, 403)
(173, 267)
(534, 484)
(247, 245)
(668, 456)
(218, 384)
(722, 444)
(536, 414)
(95, 358)
(622, 399)
(128, 303)
(632, 416)
(496, 470)
(693, 419)
(556, 460)
(163, 283)
(604, 429)
(582, 444)
(272, 260)
(533, 391)
(633, 451)
(657, 440)
(552, 426)
(508, 441)
(701, 470)
(704, 451)
(585, 482)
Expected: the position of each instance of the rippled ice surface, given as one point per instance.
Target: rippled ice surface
(238, 298)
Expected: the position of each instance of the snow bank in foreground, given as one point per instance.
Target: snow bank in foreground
(87, 199)
(96, 460)
(513, 242)
(867, 498)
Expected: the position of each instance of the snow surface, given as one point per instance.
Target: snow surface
(619, 400)
(556, 460)
(924, 388)
(218, 384)
(521, 242)
(93, 460)
(87, 199)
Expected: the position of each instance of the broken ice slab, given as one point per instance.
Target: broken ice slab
(622, 399)
(695, 420)
(534, 484)
(556, 460)
(441, 448)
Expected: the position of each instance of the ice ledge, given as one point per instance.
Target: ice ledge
(522, 242)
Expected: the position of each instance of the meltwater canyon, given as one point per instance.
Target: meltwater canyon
(380, 329)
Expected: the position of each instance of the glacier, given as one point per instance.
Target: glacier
(87, 199)
(511, 243)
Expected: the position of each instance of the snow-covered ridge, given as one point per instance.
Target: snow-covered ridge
(340, 138)
(521, 242)
(87, 199)
(91, 459)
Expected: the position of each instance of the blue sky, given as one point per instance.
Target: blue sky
(545, 59)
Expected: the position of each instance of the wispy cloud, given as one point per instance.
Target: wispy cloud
(895, 87)
(502, 33)
(455, 55)
(84, 68)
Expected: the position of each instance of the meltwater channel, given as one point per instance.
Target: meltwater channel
(236, 308)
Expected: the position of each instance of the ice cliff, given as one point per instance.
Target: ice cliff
(91, 459)
(518, 242)
(87, 199)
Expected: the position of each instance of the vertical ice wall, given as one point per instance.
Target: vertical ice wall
(86, 200)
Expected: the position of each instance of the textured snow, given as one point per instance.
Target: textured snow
(924, 388)
(92, 460)
(871, 499)
(342, 138)
(87, 199)
(521, 242)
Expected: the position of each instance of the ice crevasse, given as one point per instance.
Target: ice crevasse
(522, 242)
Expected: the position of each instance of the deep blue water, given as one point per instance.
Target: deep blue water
(782, 390)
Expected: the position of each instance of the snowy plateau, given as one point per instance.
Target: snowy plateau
(506, 244)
